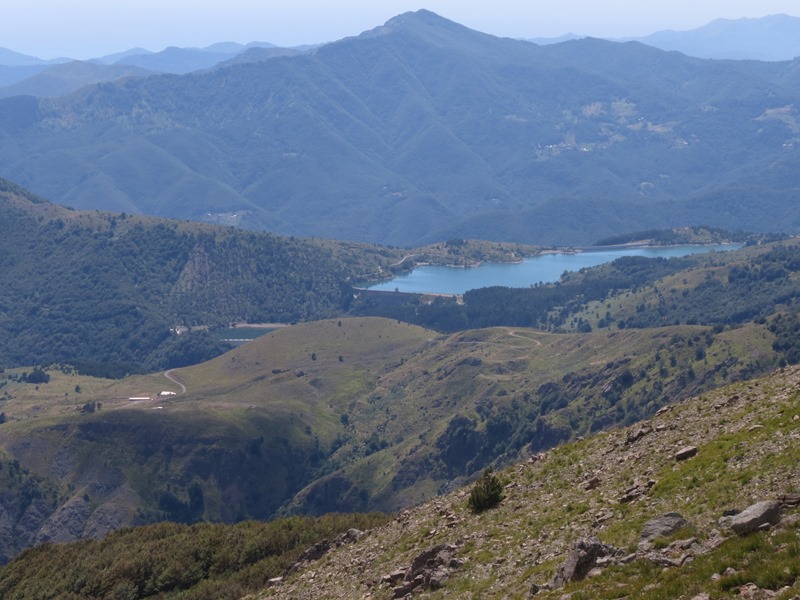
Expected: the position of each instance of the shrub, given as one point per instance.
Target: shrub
(486, 493)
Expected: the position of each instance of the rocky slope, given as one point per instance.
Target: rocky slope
(654, 510)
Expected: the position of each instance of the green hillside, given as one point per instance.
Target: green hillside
(605, 488)
(338, 415)
(423, 130)
(697, 463)
(251, 430)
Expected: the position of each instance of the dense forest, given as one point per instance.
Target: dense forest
(105, 292)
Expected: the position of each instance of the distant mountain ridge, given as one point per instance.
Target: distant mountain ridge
(25, 75)
(64, 78)
(423, 130)
(185, 60)
(16, 59)
(770, 38)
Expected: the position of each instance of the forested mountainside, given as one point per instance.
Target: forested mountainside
(423, 130)
(101, 291)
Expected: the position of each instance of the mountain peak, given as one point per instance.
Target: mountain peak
(418, 16)
(425, 24)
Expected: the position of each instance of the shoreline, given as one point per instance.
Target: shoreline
(569, 251)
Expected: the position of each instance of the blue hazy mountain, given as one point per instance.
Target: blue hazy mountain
(771, 38)
(776, 37)
(61, 79)
(423, 130)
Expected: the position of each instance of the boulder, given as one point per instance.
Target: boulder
(756, 516)
(789, 499)
(686, 453)
(637, 434)
(352, 535)
(583, 557)
(591, 484)
(430, 570)
(665, 561)
(663, 526)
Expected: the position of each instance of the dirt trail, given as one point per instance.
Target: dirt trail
(513, 333)
(168, 375)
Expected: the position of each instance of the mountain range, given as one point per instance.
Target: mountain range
(423, 130)
(21, 74)
(773, 38)
(770, 38)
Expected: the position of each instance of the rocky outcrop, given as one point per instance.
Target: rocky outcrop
(67, 523)
(320, 549)
(585, 555)
(663, 526)
(755, 517)
(788, 500)
(686, 453)
(637, 490)
(428, 571)
(634, 435)
(19, 523)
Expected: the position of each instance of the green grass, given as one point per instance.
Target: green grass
(769, 560)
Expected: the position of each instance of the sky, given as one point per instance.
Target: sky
(91, 28)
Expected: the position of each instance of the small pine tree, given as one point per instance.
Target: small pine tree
(486, 493)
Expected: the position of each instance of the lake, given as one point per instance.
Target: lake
(545, 268)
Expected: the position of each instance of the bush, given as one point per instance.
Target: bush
(486, 493)
(37, 376)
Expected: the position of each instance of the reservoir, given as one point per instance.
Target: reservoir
(544, 268)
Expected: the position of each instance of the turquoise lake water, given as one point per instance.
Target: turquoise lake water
(545, 268)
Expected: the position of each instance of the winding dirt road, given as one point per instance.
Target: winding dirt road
(168, 375)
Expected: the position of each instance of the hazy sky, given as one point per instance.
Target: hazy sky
(91, 28)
